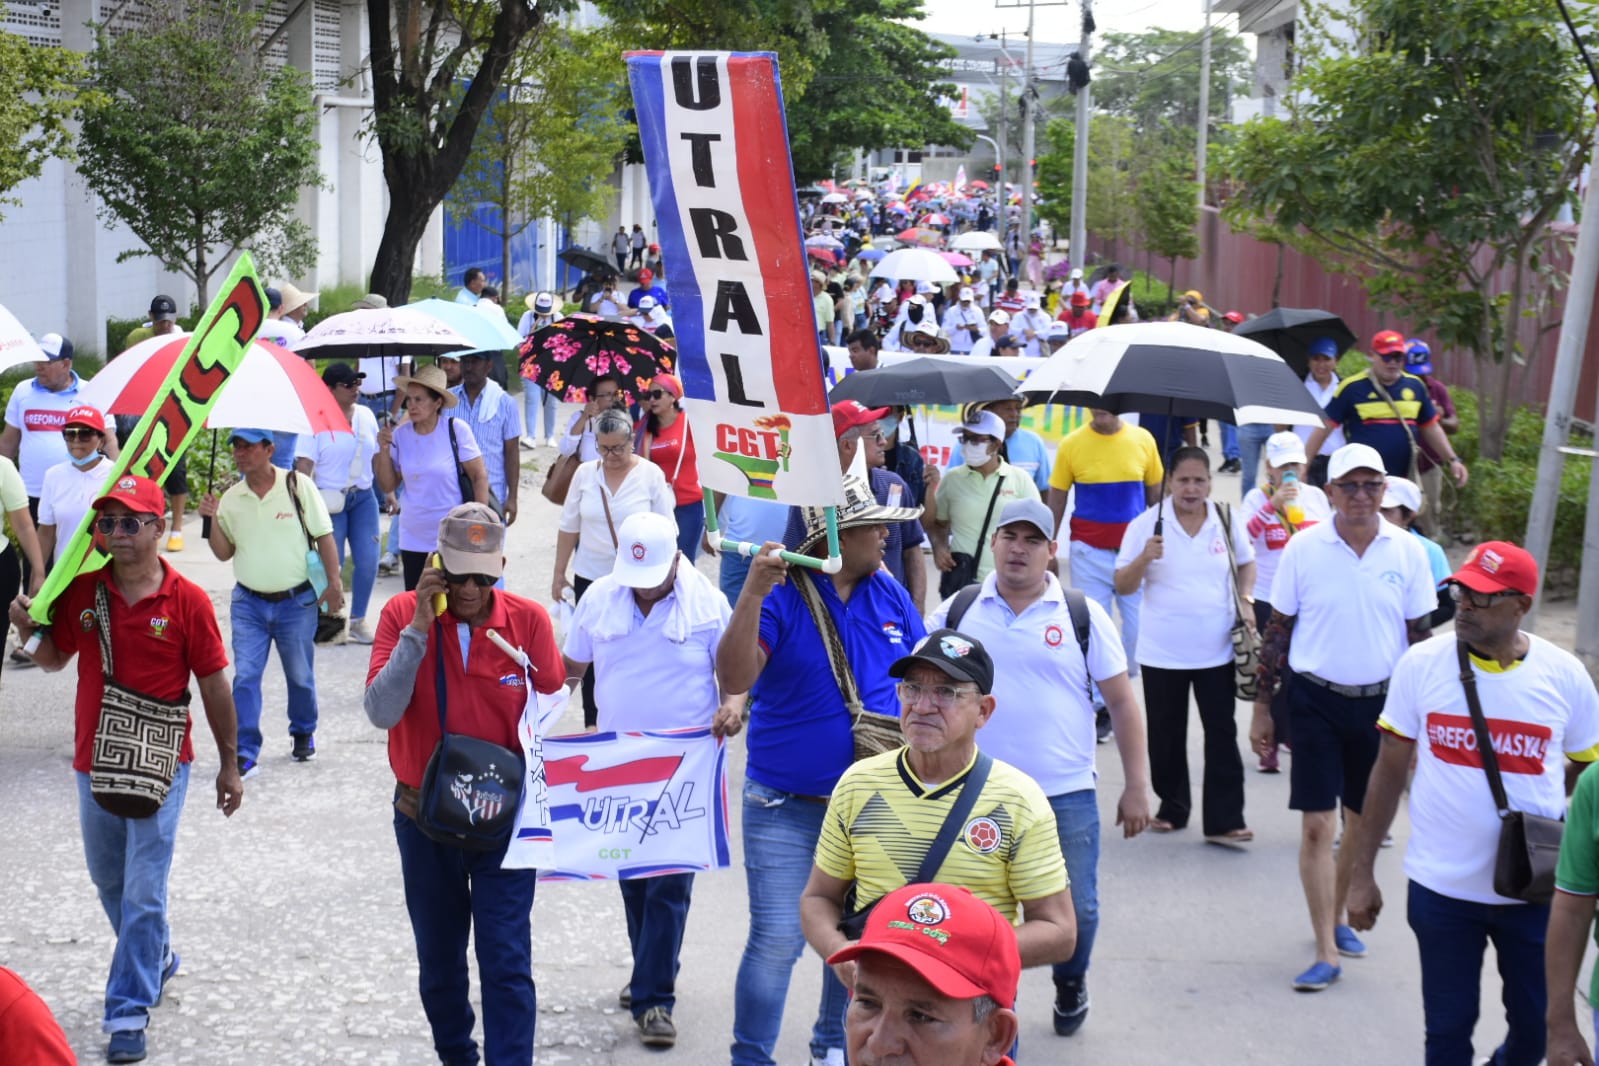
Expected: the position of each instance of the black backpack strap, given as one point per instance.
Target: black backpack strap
(1077, 606)
(961, 604)
(955, 820)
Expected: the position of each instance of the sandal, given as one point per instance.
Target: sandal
(1161, 825)
(1232, 838)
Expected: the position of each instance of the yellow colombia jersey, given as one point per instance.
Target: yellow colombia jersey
(881, 821)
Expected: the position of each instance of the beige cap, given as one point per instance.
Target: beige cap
(472, 540)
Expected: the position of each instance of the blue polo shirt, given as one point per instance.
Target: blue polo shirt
(901, 535)
(1026, 451)
(1367, 418)
(657, 291)
(799, 734)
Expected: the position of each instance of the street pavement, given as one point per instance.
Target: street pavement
(296, 948)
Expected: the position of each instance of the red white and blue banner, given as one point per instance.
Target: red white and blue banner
(716, 149)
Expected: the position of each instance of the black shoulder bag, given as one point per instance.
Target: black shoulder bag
(464, 480)
(472, 788)
(1529, 844)
(965, 570)
(853, 923)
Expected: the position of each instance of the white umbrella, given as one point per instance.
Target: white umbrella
(17, 346)
(977, 240)
(915, 264)
(835, 198)
(380, 331)
(824, 240)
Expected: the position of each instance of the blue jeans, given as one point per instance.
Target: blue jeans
(1452, 934)
(358, 524)
(447, 890)
(1229, 441)
(780, 834)
(534, 400)
(256, 625)
(734, 569)
(690, 528)
(1077, 825)
(1093, 571)
(129, 859)
(657, 911)
(1251, 442)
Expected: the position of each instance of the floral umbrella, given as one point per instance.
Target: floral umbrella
(565, 357)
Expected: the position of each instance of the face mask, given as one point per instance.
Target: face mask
(914, 312)
(87, 460)
(975, 454)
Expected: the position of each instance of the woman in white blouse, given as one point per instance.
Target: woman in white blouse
(603, 493)
(1185, 642)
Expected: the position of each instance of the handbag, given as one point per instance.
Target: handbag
(873, 733)
(853, 924)
(138, 741)
(472, 788)
(464, 480)
(1529, 844)
(964, 571)
(335, 498)
(315, 571)
(1246, 642)
(558, 482)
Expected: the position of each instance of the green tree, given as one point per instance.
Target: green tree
(1153, 77)
(1168, 209)
(195, 144)
(1427, 159)
(38, 90)
(425, 124)
(1113, 159)
(551, 141)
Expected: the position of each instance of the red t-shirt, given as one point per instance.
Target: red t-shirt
(29, 1033)
(156, 645)
(485, 697)
(665, 448)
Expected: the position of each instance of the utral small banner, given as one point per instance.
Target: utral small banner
(626, 805)
(716, 149)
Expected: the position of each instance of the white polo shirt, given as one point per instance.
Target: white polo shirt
(1043, 723)
(956, 319)
(40, 415)
(644, 680)
(1352, 610)
(1540, 709)
(1187, 618)
(66, 496)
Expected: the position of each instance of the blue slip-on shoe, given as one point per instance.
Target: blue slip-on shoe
(1317, 977)
(167, 975)
(127, 1045)
(1348, 943)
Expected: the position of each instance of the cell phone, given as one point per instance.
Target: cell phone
(440, 602)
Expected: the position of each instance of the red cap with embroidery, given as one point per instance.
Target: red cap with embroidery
(142, 495)
(1388, 342)
(1499, 566)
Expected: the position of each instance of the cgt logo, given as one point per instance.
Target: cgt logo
(753, 443)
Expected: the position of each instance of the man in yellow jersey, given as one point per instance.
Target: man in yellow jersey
(891, 815)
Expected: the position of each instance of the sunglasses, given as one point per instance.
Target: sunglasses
(1479, 600)
(347, 385)
(127, 525)
(482, 581)
(1361, 488)
(1393, 357)
(656, 394)
(74, 433)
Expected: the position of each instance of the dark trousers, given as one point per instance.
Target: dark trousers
(591, 710)
(1452, 934)
(62, 537)
(411, 566)
(10, 578)
(657, 912)
(1166, 705)
(447, 891)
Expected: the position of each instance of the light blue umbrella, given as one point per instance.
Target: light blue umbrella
(487, 332)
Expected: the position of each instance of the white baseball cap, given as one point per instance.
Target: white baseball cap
(1032, 299)
(646, 545)
(986, 423)
(965, 294)
(1354, 457)
(1402, 492)
(1057, 328)
(646, 303)
(999, 317)
(927, 326)
(1284, 448)
(1077, 273)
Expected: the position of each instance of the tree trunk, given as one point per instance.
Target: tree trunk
(1277, 279)
(1171, 285)
(403, 227)
(505, 266)
(1494, 401)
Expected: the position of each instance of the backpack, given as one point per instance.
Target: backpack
(1076, 606)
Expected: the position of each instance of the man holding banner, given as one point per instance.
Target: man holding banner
(652, 625)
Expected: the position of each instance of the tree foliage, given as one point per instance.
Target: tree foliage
(1152, 78)
(195, 144)
(1428, 158)
(550, 142)
(38, 89)
(1115, 165)
(1167, 207)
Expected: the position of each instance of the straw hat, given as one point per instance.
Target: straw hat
(430, 378)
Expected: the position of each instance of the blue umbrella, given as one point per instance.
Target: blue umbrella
(871, 255)
(487, 332)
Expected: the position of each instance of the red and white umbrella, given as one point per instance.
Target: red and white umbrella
(272, 388)
(17, 345)
(934, 219)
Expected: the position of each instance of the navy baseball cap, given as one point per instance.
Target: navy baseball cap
(961, 657)
(1324, 346)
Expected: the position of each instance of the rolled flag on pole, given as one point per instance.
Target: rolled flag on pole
(175, 417)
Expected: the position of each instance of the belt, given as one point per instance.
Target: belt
(820, 800)
(279, 597)
(1355, 692)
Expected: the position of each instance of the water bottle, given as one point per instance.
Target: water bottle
(1295, 513)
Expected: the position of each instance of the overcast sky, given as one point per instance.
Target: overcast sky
(1059, 23)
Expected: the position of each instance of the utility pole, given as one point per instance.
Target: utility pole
(1027, 145)
(999, 134)
(1204, 103)
(1557, 422)
(1079, 239)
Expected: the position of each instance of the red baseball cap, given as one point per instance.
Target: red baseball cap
(1388, 342)
(86, 416)
(142, 495)
(847, 414)
(1499, 566)
(959, 944)
(646, 275)
(1234, 317)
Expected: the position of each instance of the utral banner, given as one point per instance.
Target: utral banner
(716, 150)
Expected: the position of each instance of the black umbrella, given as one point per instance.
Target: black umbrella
(587, 260)
(925, 381)
(565, 357)
(1101, 272)
(1289, 331)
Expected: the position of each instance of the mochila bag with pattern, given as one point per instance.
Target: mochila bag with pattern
(1246, 642)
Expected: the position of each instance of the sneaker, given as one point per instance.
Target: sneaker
(175, 542)
(529, 442)
(553, 442)
(304, 746)
(358, 632)
(1101, 725)
(1348, 943)
(388, 564)
(624, 998)
(1387, 840)
(126, 1045)
(20, 659)
(1232, 466)
(247, 767)
(656, 1028)
(167, 975)
(834, 1057)
(1317, 977)
(1071, 1006)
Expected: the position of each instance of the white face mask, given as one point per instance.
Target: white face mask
(976, 453)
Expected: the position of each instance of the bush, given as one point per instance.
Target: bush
(1154, 298)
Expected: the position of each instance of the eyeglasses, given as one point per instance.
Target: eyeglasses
(74, 433)
(127, 525)
(1361, 488)
(941, 696)
(482, 581)
(1479, 600)
(612, 449)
